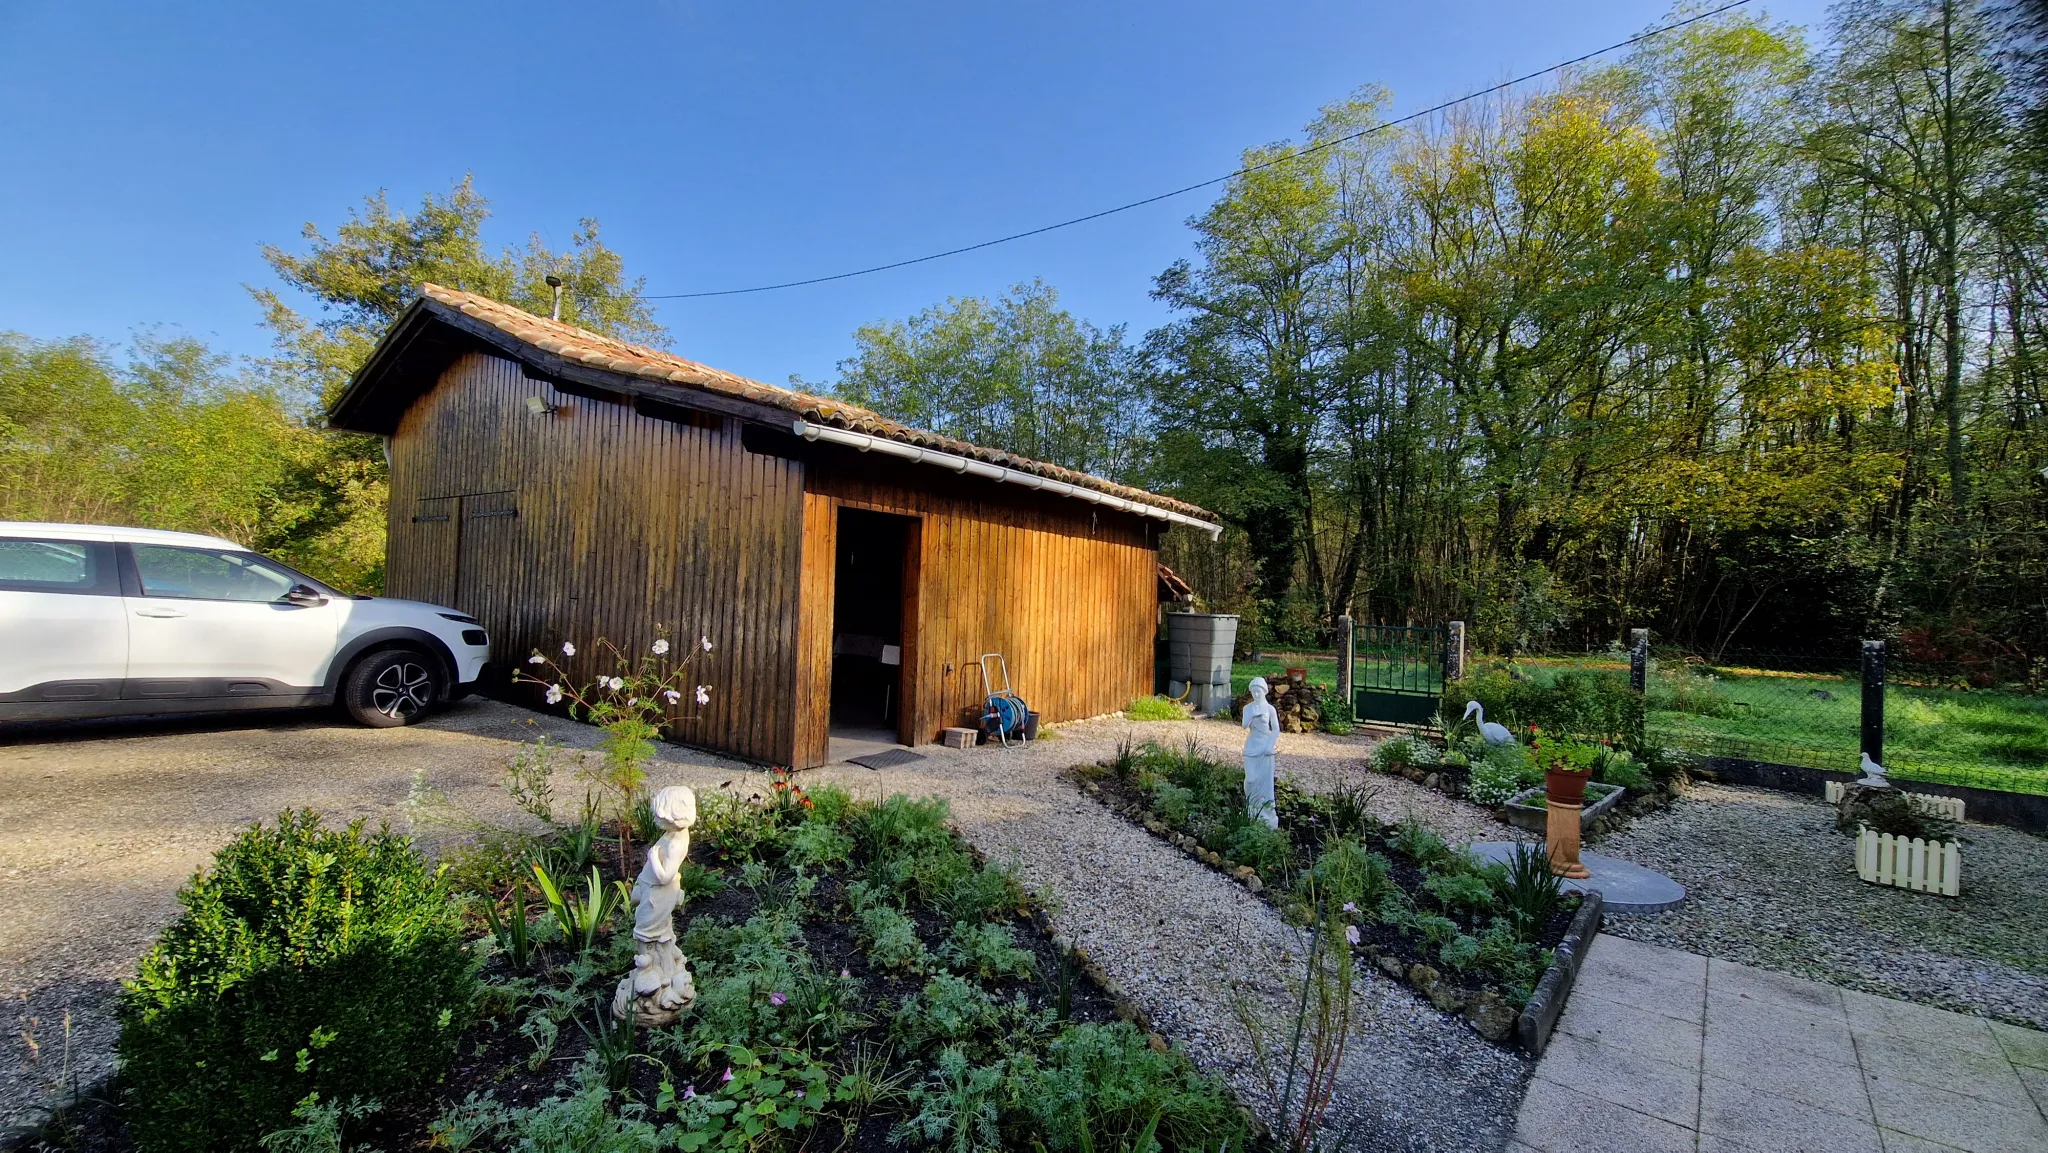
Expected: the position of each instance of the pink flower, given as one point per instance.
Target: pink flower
(554, 694)
(689, 1091)
(703, 694)
(1351, 933)
(673, 696)
(727, 1077)
(776, 998)
(844, 975)
(1351, 906)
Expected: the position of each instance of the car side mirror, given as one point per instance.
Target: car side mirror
(305, 596)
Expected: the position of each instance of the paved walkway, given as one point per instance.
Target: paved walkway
(1664, 1050)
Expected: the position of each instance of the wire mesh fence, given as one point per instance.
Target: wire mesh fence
(1935, 723)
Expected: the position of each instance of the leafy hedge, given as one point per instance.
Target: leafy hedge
(1580, 705)
(309, 960)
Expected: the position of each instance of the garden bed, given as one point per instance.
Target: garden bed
(1472, 938)
(865, 982)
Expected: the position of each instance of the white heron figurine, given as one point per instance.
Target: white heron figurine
(1492, 733)
(1873, 774)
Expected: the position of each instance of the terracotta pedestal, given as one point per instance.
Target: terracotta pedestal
(1561, 836)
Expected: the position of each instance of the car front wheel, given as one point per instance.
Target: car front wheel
(392, 688)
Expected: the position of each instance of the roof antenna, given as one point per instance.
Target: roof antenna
(555, 282)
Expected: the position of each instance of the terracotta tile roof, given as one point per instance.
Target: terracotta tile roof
(598, 351)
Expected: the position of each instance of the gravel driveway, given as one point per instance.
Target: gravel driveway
(100, 824)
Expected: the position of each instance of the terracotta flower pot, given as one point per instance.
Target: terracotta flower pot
(1565, 788)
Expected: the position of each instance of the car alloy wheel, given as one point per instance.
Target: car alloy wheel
(403, 691)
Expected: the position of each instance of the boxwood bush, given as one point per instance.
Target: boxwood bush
(308, 960)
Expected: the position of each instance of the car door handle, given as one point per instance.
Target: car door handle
(157, 612)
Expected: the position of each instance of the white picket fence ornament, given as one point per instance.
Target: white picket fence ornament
(1922, 866)
(1947, 808)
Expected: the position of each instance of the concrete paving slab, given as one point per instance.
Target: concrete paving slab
(1968, 1123)
(1621, 1077)
(1726, 979)
(1640, 1031)
(1951, 1070)
(1811, 1080)
(1767, 1123)
(1774, 1026)
(1871, 1014)
(2027, 1047)
(1558, 1119)
(1784, 1064)
(1636, 975)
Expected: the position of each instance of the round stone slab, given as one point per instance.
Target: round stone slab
(1623, 888)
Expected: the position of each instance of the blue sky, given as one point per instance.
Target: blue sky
(153, 147)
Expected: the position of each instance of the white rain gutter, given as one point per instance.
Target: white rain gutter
(866, 443)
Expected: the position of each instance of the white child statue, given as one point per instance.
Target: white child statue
(1262, 737)
(660, 988)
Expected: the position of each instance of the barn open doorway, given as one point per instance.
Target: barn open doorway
(873, 627)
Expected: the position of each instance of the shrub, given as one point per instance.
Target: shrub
(1156, 709)
(891, 938)
(308, 960)
(1583, 705)
(1393, 754)
(1262, 848)
(1461, 892)
(1420, 844)
(1529, 889)
(986, 951)
(948, 1008)
(1100, 1086)
(1625, 771)
(1174, 803)
(1337, 715)
(1501, 773)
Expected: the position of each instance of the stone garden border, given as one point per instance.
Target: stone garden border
(1488, 1014)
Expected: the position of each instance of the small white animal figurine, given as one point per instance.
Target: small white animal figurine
(1873, 774)
(1492, 733)
(1262, 737)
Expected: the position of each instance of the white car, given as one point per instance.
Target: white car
(100, 622)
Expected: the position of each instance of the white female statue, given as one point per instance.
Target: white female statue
(660, 988)
(1262, 737)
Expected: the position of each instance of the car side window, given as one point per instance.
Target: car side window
(57, 566)
(208, 574)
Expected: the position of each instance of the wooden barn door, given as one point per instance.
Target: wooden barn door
(487, 557)
(433, 536)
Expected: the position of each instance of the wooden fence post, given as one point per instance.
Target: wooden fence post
(1454, 652)
(1873, 700)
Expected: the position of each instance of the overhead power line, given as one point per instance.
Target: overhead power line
(1311, 150)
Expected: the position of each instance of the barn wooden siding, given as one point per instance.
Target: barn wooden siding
(1063, 589)
(600, 522)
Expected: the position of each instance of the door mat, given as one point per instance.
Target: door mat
(886, 759)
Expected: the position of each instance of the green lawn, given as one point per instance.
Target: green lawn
(1990, 739)
(1322, 670)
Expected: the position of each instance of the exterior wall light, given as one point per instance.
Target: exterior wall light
(539, 406)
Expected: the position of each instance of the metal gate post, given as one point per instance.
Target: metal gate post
(1639, 659)
(1454, 652)
(1873, 700)
(1347, 642)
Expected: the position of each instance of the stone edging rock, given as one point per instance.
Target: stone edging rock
(1540, 1015)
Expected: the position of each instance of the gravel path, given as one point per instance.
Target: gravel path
(101, 824)
(1770, 883)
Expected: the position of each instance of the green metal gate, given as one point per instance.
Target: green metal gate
(1397, 672)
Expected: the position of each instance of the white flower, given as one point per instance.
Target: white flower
(706, 642)
(673, 696)
(631, 701)
(535, 659)
(703, 694)
(1351, 933)
(661, 647)
(568, 650)
(617, 683)
(1351, 906)
(554, 694)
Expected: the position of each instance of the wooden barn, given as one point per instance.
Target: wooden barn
(849, 570)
